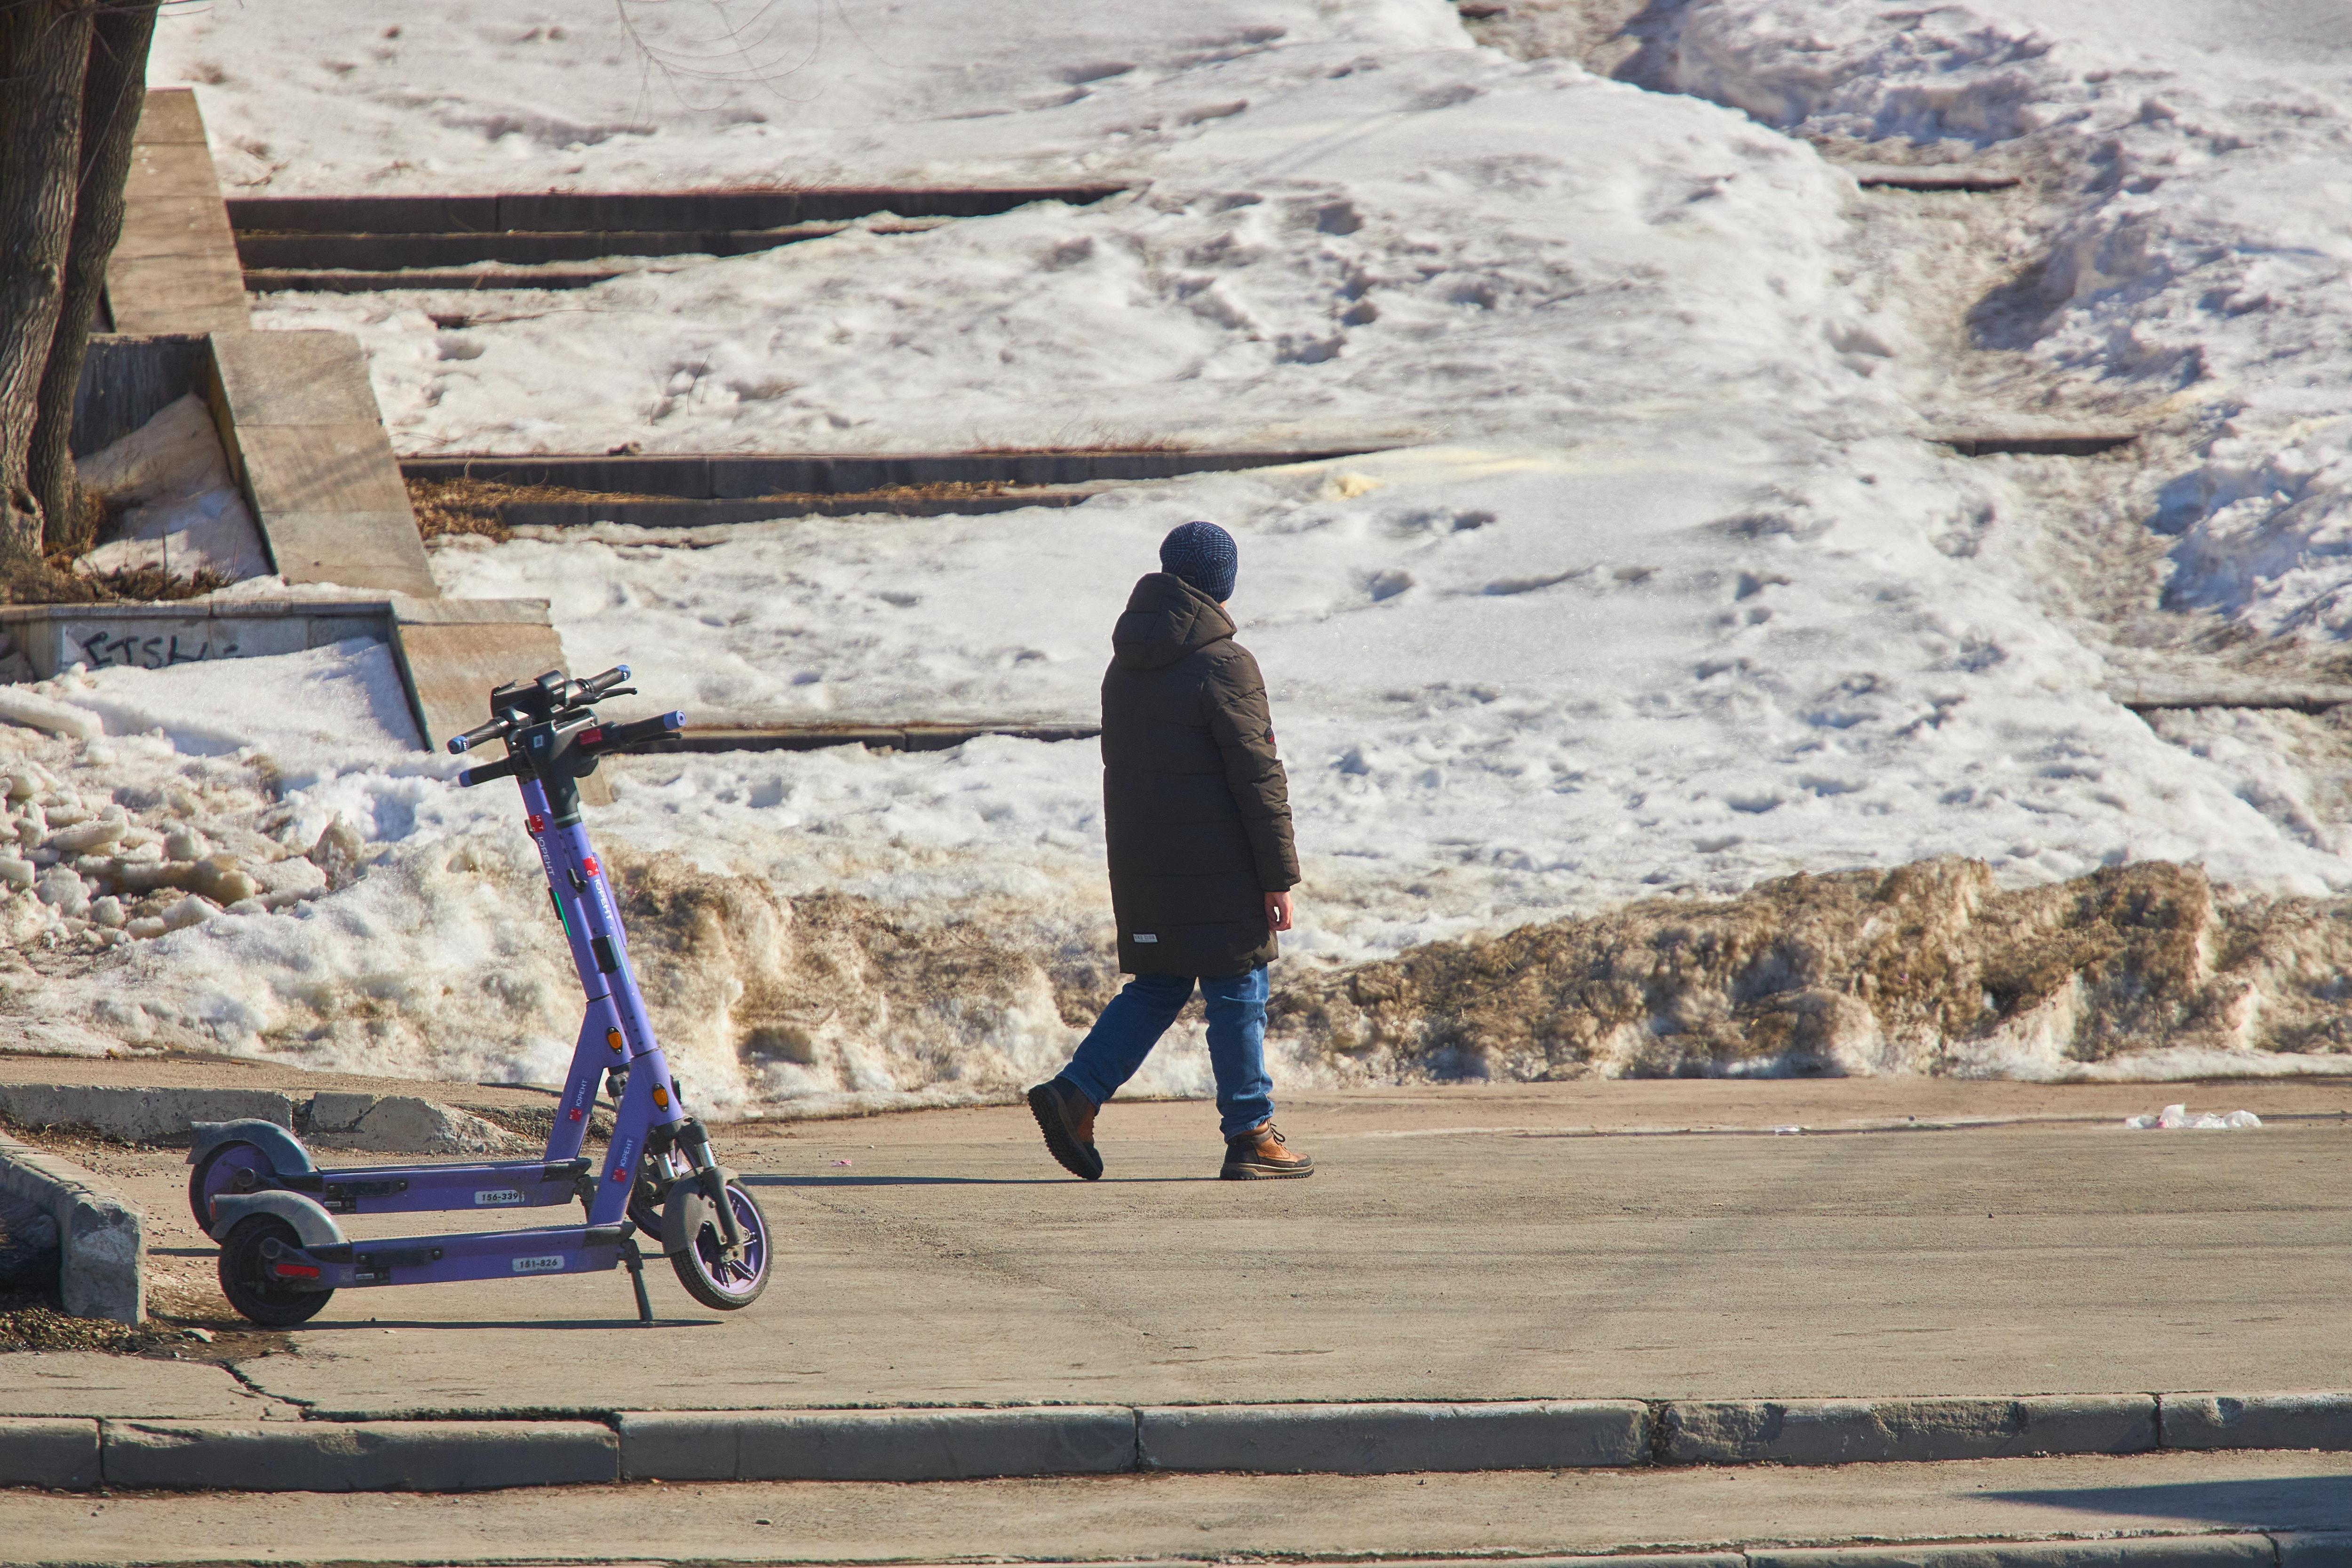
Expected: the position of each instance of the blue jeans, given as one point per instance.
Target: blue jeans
(1142, 1013)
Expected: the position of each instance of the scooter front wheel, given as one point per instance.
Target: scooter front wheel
(230, 1168)
(249, 1274)
(725, 1284)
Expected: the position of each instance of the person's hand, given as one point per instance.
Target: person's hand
(1277, 912)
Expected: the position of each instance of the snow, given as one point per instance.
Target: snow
(2198, 272)
(1656, 587)
(179, 506)
(328, 707)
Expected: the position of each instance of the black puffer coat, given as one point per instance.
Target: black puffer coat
(1195, 800)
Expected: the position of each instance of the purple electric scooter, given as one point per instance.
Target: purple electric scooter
(255, 1191)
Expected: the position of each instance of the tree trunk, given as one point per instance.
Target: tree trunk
(114, 89)
(44, 48)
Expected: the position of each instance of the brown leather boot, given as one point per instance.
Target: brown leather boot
(1261, 1153)
(1067, 1117)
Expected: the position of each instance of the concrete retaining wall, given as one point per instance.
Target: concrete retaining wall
(450, 652)
(397, 1124)
(54, 638)
(128, 379)
(309, 448)
(174, 269)
(102, 1253)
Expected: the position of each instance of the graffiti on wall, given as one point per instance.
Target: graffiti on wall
(101, 649)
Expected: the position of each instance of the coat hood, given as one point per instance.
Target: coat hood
(1167, 619)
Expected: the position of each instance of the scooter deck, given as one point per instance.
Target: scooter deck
(398, 1189)
(440, 1260)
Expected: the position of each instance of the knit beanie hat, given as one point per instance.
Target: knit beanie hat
(1203, 554)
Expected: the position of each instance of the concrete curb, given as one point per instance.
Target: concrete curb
(59, 1456)
(2275, 1550)
(876, 1444)
(1844, 1431)
(102, 1250)
(1390, 1440)
(2145, 1552)
(325, 1454)
(2256, 1421)
(357, 1456)
(2314, 1548)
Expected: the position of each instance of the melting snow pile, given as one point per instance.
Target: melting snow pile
(2175, 1117)
(1659, 590)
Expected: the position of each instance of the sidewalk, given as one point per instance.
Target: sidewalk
(1454, 1245)
(2157, 1511)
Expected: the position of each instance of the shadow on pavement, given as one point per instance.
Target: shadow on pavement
(953, 1181)
(360, 1325)
(2269, 1502)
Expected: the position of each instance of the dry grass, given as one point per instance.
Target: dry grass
(51, 579)
(445, 508)
(153, 583)
(31, 580)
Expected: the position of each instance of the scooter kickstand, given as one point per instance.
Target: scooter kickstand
(636, 1262)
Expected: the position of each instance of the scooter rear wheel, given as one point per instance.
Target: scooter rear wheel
(230, 1168)
(258, 1295)
(721, 1283)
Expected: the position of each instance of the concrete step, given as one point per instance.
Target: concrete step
(561, 212)
(745, 476)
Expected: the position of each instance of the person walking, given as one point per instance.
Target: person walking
(1197, 812)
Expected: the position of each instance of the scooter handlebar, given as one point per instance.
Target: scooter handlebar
(597, 686)
(460, 744)
(622, 737)
(469, 777)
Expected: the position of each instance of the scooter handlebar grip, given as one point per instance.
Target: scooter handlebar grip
(469, 777)
(461, 745)
(619, 737)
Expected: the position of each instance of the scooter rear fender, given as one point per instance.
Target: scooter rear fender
(313, 1225)
(286, 1155)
